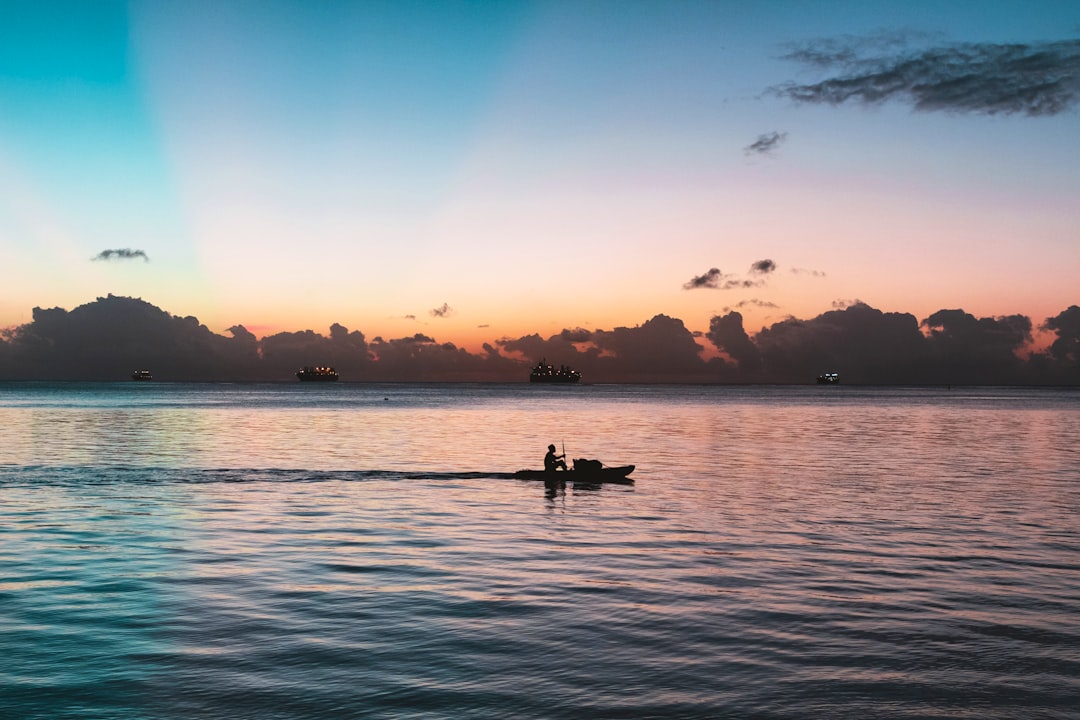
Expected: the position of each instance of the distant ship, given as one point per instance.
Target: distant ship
(828, 379)
(317, 374)
(142, 375)
(544, 373)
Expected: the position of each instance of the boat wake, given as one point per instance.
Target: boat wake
(36, 475)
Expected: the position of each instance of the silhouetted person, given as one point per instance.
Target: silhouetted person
(553, 461)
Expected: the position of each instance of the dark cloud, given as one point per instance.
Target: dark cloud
(845, 304)
(752, 302)
(766, 144)
(121, 254)
(716, 280)
(861, 343)
(976, 350)
(577, 335)
(108, 338)
(727, 333)
(763, 267)
(711, 279)
(442, 312)
(345, 351)
(1066, 349)
(1034, 79)
(421, 358)
(660, 350)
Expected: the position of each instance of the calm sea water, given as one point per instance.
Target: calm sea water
(360, 551)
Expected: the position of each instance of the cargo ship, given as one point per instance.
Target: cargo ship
(544, 373)
(309, 373)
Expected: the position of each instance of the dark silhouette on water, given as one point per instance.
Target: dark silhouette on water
(553, 462)
(584, 471)
(317, 374)
(544, 373)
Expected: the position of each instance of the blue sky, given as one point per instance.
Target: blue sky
(532, 165)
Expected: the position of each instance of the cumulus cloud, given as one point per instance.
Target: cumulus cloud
(662, 349)
(1033, 79)
(1066, 324)
(120, 254)
(106, 339)
(766, 144)
(711, 279)
(763, 267)
(576, 335)
(443, 311)
(845, 304)
(726, 332)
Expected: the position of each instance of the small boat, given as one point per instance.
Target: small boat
(544, 373)
(142, 375)
(584, 471)
(310, 373)
(828, 379)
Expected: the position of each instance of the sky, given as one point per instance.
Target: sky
(481, 170)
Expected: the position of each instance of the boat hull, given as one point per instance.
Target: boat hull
(317, 374)
(594, 477)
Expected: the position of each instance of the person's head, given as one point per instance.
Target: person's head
(551, 448)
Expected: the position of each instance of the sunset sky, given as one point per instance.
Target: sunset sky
(478, 170)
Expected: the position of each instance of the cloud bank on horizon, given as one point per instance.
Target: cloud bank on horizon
(106, 339)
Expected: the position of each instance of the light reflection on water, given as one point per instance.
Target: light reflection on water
(268, 552)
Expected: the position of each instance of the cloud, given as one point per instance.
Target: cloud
(716, 280)
(734, 284)
(766, 144)
(1066, 324)
(711, 279)
(120, 254)
(442, 312)
(577, 335)
(108, 338)
(726, 332)
(660, 350)
(752, 302)
(845, 304)
(804, 271)
(1033, 79)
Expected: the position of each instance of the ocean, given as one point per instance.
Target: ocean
(360, 550)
